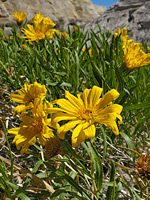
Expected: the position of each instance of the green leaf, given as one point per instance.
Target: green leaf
(129, 143)
(110, 195)
(77, 70)
(37, 165)
(15, 187)
(64, 84)
(97, 164)
(22, 196)
(137, 106)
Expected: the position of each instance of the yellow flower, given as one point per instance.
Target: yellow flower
(76, 29)
(23, 46)
(83, 49)
(20, 16)
(19, 34)
(125, 37)
(56, 32)
(148, 47)
(115, 35)
(118, 32)
(90, 53)
(42, 28)
(134, 56)
(32, 128)
(27, 95)
(11, 37)
(64, 35)
(83, 111)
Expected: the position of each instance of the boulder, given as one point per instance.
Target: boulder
(61, 12)
(132, 14)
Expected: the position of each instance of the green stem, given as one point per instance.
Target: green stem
(92, 173)
(11, 157)
(68, 68)
(7, 72)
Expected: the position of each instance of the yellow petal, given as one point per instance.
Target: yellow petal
(79, 140)
(75, 135)
(108, 98)
(67, 106)
(85, 97)
(95, 95)
(62, 116)
(66, 127)
(19, 109)
(74, 100)
(14, 130)
(109, 120)
(54, 110)
(17, 98)
(114, 108)
(90, 131)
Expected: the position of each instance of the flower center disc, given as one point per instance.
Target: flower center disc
(36, 126)
(86, 113)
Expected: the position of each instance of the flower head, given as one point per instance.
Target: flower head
(118, 32)
(64, 35)
(91, 54)
(83, 111)
(20, 16)
(10, 37)
(42, 28)
(76, 29)
(33, 127)
(23, 46)
(56, 33)
(143, 166)
(134, 56)
(27, 95)
(52, 147)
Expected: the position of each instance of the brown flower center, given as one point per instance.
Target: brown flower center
(36, 126)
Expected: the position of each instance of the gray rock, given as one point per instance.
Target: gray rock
(62, 12)
(132, 14)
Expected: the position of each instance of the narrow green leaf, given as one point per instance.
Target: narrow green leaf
(98, 165)
(137, 106)
(15, 187)
(22, 196)
(110, 195)
(37, 165)
(129, 143)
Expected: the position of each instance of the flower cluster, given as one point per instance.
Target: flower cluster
(42, 28)
(79, 113)
(35, 126)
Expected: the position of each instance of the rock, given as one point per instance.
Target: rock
(62, 12)
(132, 14)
